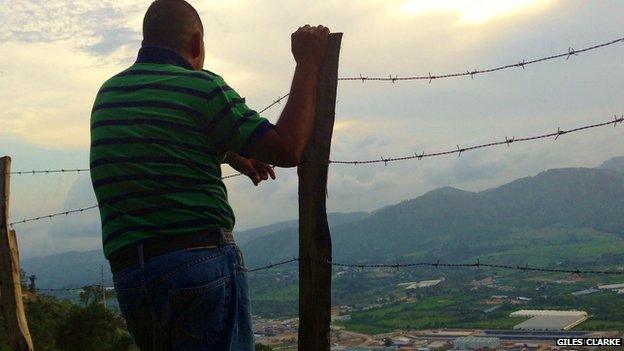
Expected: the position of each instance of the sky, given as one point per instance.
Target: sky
(55, 54)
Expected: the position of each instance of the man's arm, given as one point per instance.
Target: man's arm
(284, 145)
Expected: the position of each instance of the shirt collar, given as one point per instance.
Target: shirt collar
(159, 54)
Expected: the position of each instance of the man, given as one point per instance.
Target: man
(159, 132)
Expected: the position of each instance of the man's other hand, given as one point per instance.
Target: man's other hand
(256, 171)
(309, 45)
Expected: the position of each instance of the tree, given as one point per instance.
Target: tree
(44, 315)
(94, 329)
(91, 294)
(60, 325)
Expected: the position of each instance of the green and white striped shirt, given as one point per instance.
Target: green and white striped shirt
(159, 132)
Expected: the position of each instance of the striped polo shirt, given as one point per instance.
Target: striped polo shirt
(159, 133)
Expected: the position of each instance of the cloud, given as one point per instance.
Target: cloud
(111, 39)
(80, 225)
(56, 54)
(104, 22)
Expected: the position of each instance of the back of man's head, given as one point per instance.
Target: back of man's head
(171, 24)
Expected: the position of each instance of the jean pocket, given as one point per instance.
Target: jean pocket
(199, 315)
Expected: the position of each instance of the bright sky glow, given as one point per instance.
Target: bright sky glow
(473, 12)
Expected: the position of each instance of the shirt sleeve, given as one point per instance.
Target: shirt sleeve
(238, 128)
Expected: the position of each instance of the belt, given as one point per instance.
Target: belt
(129, 256)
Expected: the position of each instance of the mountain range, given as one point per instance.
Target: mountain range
(559, 216)
(560, 211)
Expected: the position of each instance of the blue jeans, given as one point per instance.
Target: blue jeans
(190, 299)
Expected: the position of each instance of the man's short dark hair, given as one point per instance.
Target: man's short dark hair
(170, 23)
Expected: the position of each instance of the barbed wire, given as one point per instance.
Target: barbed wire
(274, 103)
(80, 210)
(471, 73)
(50, 216)
(459, 150)
(263, 268)
(50, 171)
(272, 265)
(81, 170)
(477, 264)
(429, 77)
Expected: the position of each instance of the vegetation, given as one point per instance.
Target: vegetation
(57, 325)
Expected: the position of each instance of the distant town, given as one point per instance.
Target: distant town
(535, 329)
(548, 327)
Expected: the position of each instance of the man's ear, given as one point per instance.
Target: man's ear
(196, 45)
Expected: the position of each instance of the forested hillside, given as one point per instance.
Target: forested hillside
(576, 209)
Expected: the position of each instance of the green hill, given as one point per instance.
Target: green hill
(559, 215)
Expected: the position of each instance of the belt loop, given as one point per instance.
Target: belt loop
(141, 254)
(222, 238)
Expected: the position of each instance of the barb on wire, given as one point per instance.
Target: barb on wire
(429, 77)
(50, 216)
(272, 265)
(507, 142)
(476, 264)
(274, 103)
(49, 171)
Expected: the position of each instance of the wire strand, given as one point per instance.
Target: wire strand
(50, 171)
(50, 216)
(478, 264)
(263, 268)
(80, 170)
(459, 150)
(522, 64)
(274, 103)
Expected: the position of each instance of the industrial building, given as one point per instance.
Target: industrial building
(549, 320)
(585, 292)
(611, 286)
(421, 284)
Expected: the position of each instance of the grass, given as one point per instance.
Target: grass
(285, 293)
(496, 323)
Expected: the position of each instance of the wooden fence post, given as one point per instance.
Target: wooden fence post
(12, 305)
(314, 237)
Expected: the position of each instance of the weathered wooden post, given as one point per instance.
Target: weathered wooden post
(12, 305)
(314, 238)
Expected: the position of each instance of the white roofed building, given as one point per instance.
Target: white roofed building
(545, 320)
